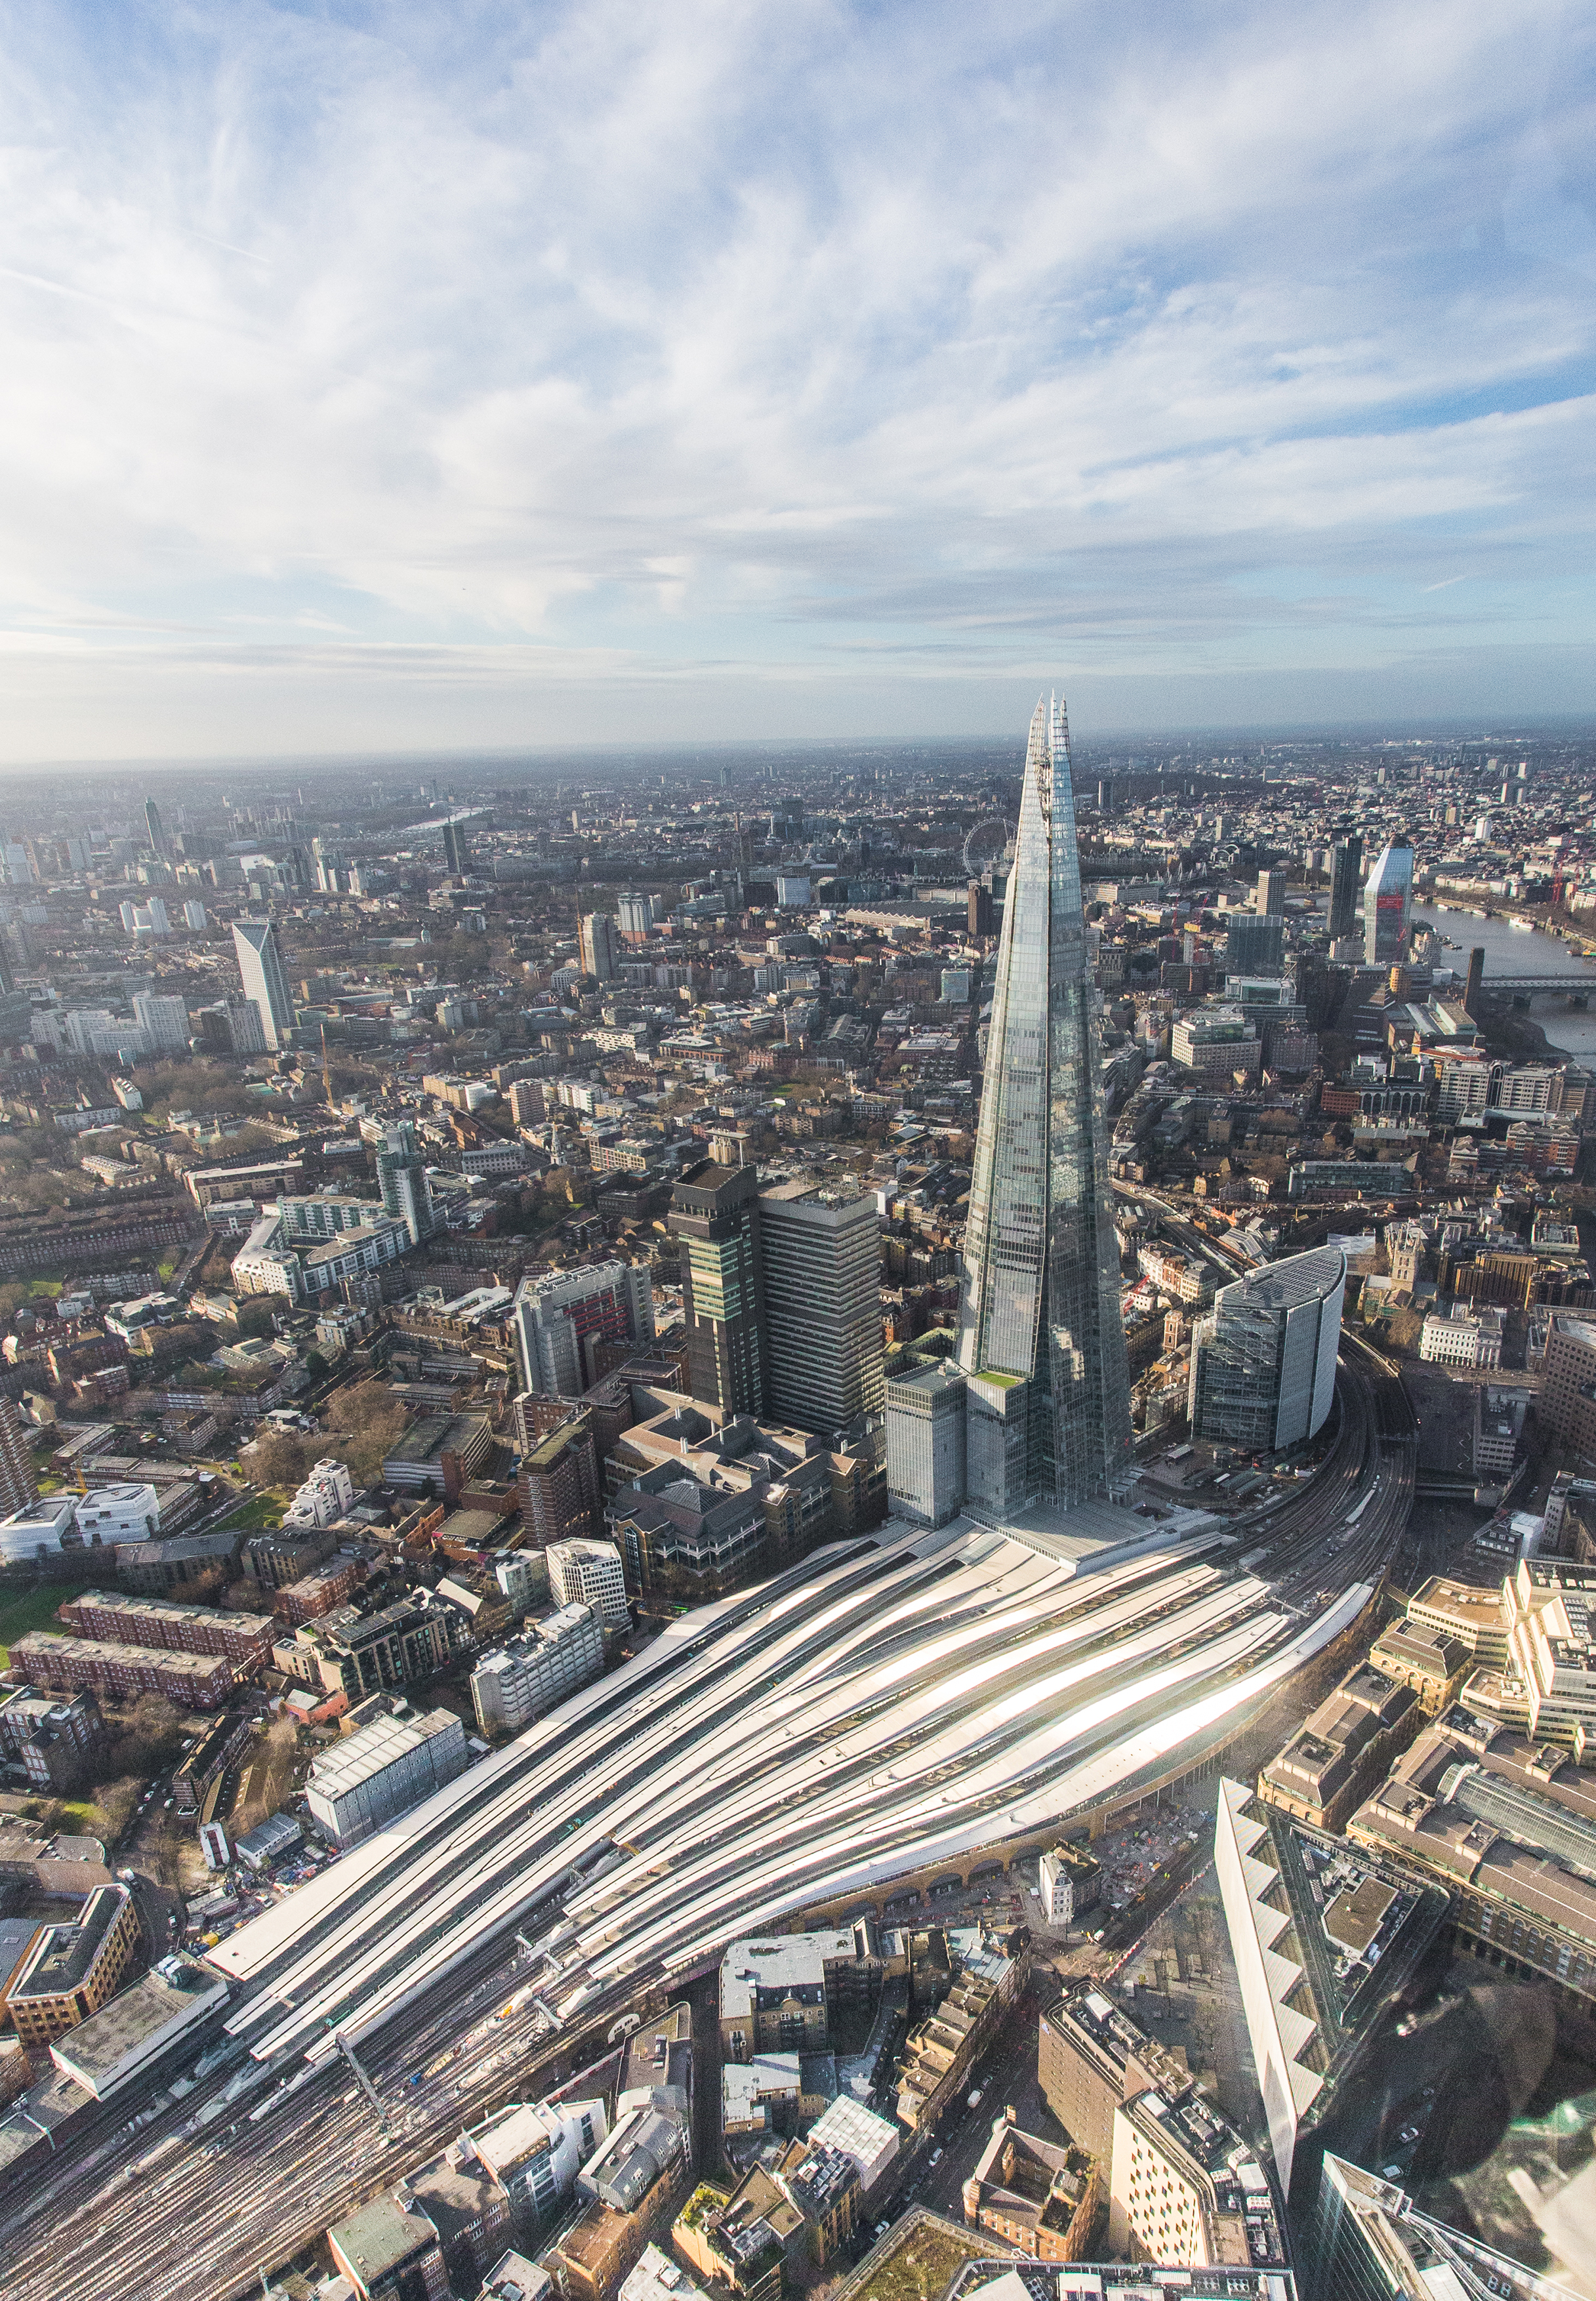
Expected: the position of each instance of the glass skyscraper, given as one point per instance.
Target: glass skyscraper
(1387, 904)
(265, 977)
(1041, 1343)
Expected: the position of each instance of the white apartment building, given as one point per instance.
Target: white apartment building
(587, 1572)
(529, 1675)
(163, 1020)
(1472, 1341)
(536, 2150)
(382, 1771)
(124, 1513)
(494, 1159)
(325, 1497)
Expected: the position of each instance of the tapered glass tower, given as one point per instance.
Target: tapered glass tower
(1041, 1342)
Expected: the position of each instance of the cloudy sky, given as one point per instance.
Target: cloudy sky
(379, 377)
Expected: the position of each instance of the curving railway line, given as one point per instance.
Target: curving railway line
(898, 1708)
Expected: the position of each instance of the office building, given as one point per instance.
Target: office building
(402, 1179)
(264, 978)
(1069, 1883)
(1183, 2187)
(561, 1483)
(134, 2030)
(1366, 2240)
(157, 831)
(1272, 894)
(1328, 1943)
(194, 917)
(1473, 1343)
(1473, 983)
(389, 2250)
(1218, 1038)
(383, 1769)
(532, 1673)
(373, 1654)
(926, 1443)
(52, 1740)
(1346, 871)
(19, 1488)
(600, 944)
(457, 856)
(164, 1021)
(1263, 1361)
(820, 1255)
(536, 2149)
(590, 1574)
(1042, 2197)
(560, 1320)
(715, 1212)
(1041, 1342)
(1254, 945)
(231, 1027)
(978, 910)
(1387, 906)
(69, 1971)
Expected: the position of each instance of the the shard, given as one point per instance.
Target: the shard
(1041, 1343)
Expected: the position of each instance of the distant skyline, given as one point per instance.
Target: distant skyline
(388, 380)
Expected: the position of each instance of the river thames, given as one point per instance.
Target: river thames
(1509, 950)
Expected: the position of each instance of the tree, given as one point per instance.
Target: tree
(277, 1459)
(369, 1422)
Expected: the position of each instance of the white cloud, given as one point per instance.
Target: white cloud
(732, 344)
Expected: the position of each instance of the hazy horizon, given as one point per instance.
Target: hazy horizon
(558, 375)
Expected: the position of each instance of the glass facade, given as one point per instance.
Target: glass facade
(1387, 905)
(1040, 1332)
(1263, 1363)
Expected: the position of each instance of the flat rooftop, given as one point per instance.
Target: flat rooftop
(167, 1998)
(67, 1952)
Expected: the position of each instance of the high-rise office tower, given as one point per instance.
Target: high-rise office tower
(562, 1317)
(1040, 1341)
(1263, 1361)
(1387, 904)
(1254, 945)
(1347, 863)
(715, 1212)
(19, 1488)
(978, 917)
(1272, 894)
(820, 1257)
(157, 829)
(1475, 979)
(265, 977)
(402, 1179)
(456, 853)
(600, 946)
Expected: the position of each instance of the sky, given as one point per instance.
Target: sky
(482, 375)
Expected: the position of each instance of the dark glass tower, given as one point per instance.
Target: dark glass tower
(1346, 866)
(715, 1212)
(1040, 1340)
